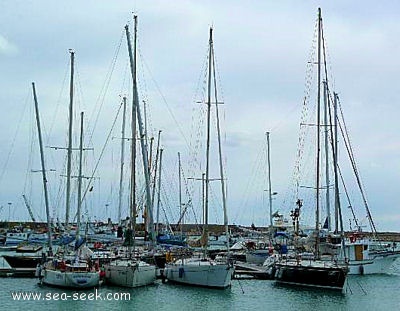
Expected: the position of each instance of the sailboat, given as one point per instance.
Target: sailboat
(75, 272)
(131, 271)
(202, 270)
(309, 269)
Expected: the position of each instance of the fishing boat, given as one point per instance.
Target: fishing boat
(131, 271)
(366, 255)
(201, 270)
(308, 268)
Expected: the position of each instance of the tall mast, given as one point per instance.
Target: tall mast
(78, 216)
(269, 185)
(221, 169)
(326, 138)
(180, 192)
(150, 148)
(69, 151)
(317, 186)
(145, 123)
(159, 194)
(155, 167)
(204, 238)
(121, 187)
(207, 180)
(335, 161)
(143, 144)
(132, 204)
(46, 196)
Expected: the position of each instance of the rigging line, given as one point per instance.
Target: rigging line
(58, 102)
(3, 171)
(167, 203)
(324, 53)
(188, 194)
(101, 153)
(101, 97)
(250, 182)
(145, 98)
(304, 114)
(284, 119)
(325, 56)
(347, 196)
(166, 104)
(30, 153)
(356, 173)
(80, 101)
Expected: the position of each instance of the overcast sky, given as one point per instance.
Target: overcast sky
(262, 49)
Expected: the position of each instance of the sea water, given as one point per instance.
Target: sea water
(373, 292)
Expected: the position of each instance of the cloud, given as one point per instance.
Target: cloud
(6, 47)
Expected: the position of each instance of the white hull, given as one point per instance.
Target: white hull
(128, 273)
(370, 257)
(70, 279)
(378, 265)
(364, 256)
(197, 272)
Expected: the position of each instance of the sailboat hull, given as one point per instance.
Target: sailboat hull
(200, 273)
(319, 276)
(130, 274)
(74, 280)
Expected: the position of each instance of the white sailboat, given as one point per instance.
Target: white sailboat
(131, 271)
(77, 272)
(202, 270)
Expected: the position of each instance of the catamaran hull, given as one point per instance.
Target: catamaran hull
(322, 277)
(211, 276)
(74, 280)
(130, 276)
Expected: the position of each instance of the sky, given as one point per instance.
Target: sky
(262, 49)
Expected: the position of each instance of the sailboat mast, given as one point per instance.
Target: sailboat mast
(180, 192)
(207, 178)
(69, 150)
(326, 141)
(221, 168)
(132, 204)
(153, 193)
(318, 150)
(159, 194)
(143, 144)
(335, 160)
(78, 214)
(121, 176)
(46, 196)
(269, 186)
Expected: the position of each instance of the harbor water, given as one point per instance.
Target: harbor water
(374, 292)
